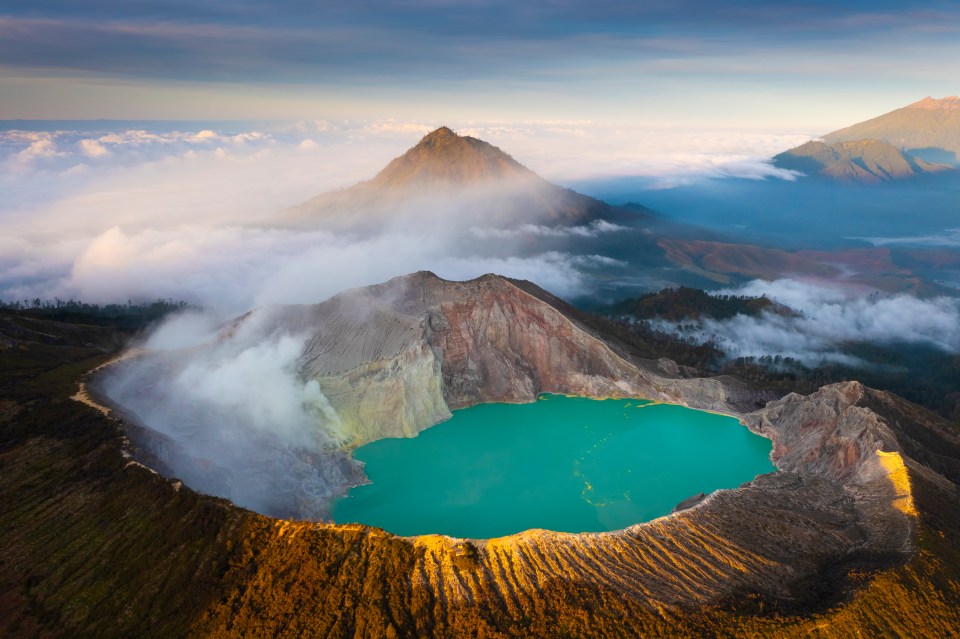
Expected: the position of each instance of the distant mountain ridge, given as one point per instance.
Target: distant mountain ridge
(482, 199)
(922, 138)
(928, 129)
(462, 178)
(866, 161)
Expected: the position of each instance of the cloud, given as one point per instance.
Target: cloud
(175, 233)
(230, 174)
(665, 155)
(92, 148)
(236, 268)
(593, 229)
(948, 238)
(39, 148)
(830, 317)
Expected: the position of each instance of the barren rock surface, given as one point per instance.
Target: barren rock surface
(393, 358)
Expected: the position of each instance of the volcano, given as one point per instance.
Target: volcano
(453, 179)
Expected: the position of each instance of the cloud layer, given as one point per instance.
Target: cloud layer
(828, 318)
(111, 212)
(949, 238)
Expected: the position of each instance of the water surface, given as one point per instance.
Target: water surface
(562, 463)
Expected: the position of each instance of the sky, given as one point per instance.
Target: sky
(815, 64)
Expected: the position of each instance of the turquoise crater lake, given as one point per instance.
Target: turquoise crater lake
(567, 464)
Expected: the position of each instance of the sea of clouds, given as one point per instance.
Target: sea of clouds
(114, 211)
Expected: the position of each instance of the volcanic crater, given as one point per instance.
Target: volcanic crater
(393, 359)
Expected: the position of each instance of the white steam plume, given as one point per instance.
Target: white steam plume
(231, 416)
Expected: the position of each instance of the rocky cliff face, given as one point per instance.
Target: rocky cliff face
(393, 358)
(842, 495)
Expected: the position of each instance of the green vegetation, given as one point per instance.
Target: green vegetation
(924, 375)
(129, 317)
(678, 304)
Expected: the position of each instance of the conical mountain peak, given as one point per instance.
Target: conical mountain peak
(458, 178)
(437, 135)
(443, 157)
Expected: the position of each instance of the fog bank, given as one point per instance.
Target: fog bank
(828, 317)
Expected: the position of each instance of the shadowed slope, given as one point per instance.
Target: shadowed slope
(928, 129)
(874, 267)
(856, 161)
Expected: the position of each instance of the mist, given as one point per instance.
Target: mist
(215, 397)
(107, 213)
(222, 407)
(801, 212)
(111, 215)
(827, 319)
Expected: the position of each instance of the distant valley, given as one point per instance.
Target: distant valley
(889, 182)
